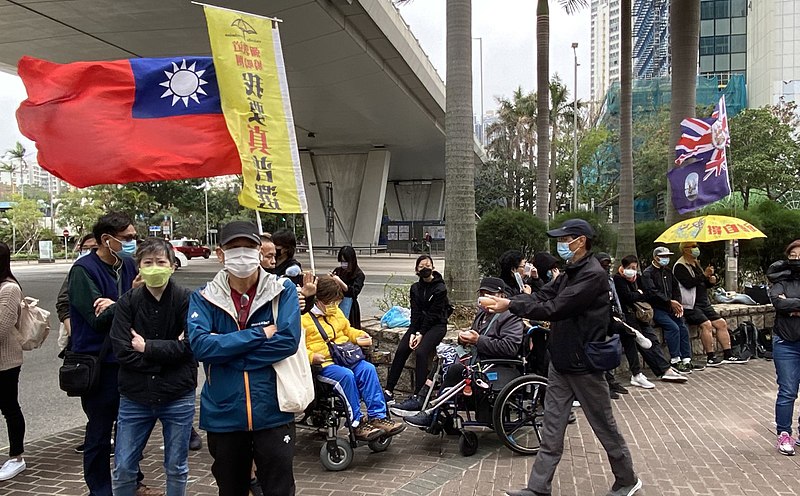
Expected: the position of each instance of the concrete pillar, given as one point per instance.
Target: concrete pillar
(415, 200)
(367, 226)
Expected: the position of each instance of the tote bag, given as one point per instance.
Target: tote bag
(295, 386)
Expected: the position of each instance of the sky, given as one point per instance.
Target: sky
(508, 31)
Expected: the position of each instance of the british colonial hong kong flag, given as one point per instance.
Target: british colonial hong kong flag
(701, 177)
(127, 120)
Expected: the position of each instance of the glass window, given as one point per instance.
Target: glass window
(707, 63)
(707, 45)
(738, 43)
(738, 62)
(722, 63)
(721, 44)
(739, 25)
(722, 26)
(707, 28)
(722, 8)
(707, 10)
(738, 8)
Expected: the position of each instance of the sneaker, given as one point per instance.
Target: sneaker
(614, 395)
(388, 397)
(390, 426)
(697, 366)
(626, 490)
(143, 490)
(421, 420)
(785, 445)
(195, 441)
(407, 408)
(641, 381)
(78, 449)
(714, 361)
(617, 388)
(683, 368)
(736, 359)
(524, 492)
(672, 375)
(576, 404)
(643, 342)
(11, 468)
(366, 432)
(255, 487)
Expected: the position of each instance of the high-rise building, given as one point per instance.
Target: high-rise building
(604, 47)
(651, 54)
(773, 51)
(723, 39)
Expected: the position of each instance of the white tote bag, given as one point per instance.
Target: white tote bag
(293, 375)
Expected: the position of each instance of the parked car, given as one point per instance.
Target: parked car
(191, 248)
(180, 258)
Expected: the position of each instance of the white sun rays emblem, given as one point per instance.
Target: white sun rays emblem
(184, 83)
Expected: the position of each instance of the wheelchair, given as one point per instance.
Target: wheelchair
(504, 395)
(327, 414)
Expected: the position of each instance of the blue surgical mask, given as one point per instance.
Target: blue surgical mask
(128, 248)
(695, 252)
(83, 253)
(663, 262)
(564, 252)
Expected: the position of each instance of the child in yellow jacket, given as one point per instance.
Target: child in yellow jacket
(353, 384)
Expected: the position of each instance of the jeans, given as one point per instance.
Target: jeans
(675, 333)
(101, 408)
(786, 355)
(9, 406)
(134, 425)
(354, 384)
(424, 352)
(234, 453)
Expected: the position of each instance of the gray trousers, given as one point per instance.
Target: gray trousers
(592, 391)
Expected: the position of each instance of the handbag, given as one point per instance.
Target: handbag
(346, 354)
(604, 355)
(643, 311)
(79, 374)
(33, 326)
(293, 382)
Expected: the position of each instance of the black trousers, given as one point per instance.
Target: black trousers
(9, 406)
(101, 408)
(425, 350)
(234, 453)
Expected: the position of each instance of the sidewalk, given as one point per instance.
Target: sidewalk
(712, 436)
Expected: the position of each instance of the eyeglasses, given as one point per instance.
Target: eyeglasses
(243, 301)
(794, 256)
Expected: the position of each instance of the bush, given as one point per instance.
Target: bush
(646, 234)
(504, 229)
(781, 225)
(606, 239)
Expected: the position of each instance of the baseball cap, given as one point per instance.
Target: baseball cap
(492, 285)
(661, 251)
(602, 256)
(573, 227)
(239, 229)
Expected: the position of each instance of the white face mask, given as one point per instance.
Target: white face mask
(629, 273)
(242, 262)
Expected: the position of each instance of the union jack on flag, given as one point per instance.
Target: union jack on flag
(705, 141)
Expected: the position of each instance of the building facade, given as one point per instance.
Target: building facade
(605, 48)
(651, 54)
(723, 39)
(773, 49)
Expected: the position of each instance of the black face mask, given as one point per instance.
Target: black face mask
(278, 253)
(425, 273)
(794, 264)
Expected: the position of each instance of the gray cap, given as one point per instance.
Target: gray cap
(661, 251)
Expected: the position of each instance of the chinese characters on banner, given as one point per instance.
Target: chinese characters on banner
(255, 100)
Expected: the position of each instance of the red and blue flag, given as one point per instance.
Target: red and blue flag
(122, 121)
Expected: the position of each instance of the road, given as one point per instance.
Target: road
(48, 410)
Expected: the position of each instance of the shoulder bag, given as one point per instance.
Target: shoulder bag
(294, 384)
(346, 354)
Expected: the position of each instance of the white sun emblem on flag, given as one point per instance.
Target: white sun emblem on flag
(183, 83)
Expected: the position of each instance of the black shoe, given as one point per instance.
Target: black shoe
(420, 420)
(683, 368)
(195, 441)
(525, 492)
(255, 487)
(696, 366)
(388, 397)
(614, 395)
(79, 448)
(714, 361)
(618, 388)
(407, 408)
(736, 359)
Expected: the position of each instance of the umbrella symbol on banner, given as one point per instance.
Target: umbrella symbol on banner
(244, 27)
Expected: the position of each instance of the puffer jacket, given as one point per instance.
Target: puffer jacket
(240, 389)
(500, 335)
(785, 296)
(430, 306)
(336, 326)
(577, 305)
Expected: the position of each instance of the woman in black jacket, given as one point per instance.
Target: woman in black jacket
(430, 309)
(350, 279)
(157, 371)
(513, 266)
(785, 296)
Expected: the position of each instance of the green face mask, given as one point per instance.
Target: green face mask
(155, 277)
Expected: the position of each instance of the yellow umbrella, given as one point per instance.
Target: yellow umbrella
(710, 228)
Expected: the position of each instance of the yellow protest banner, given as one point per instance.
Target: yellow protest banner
(248, 60)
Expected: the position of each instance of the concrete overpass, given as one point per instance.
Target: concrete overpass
(368, 104)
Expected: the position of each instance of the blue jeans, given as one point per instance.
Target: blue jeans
(786, 355)
(359, 382)
(676, 334)
(134, 425)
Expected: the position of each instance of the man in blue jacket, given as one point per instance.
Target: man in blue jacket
(233, 332)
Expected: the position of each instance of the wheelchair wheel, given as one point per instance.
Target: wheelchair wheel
(339, 459)
(468, 443)
(379, 445)
(518, 414)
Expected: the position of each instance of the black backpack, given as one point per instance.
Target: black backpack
(750, 342)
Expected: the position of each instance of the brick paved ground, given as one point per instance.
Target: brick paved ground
(712, 436)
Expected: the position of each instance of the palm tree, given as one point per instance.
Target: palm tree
(561, 111)
(16, 162)
(684, 28)
(626, 241)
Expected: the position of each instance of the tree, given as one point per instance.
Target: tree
(503, 229)
(76, 209)
(626, 231)
(16, 162)
(684, 36)
(26, 217)
(561, 112)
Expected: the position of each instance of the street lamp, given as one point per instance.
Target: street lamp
(575, 134)
(480, 51)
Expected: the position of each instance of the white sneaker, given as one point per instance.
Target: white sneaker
(672, 375)
(643, 342)
(11, 468)
(641, 381)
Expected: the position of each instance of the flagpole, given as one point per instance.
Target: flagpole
(258, 221)
(310, 246)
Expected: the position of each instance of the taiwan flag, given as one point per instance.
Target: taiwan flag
(127, 120)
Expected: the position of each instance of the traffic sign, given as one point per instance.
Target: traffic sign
(212, 231)
(155, 228)
(66, 233)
